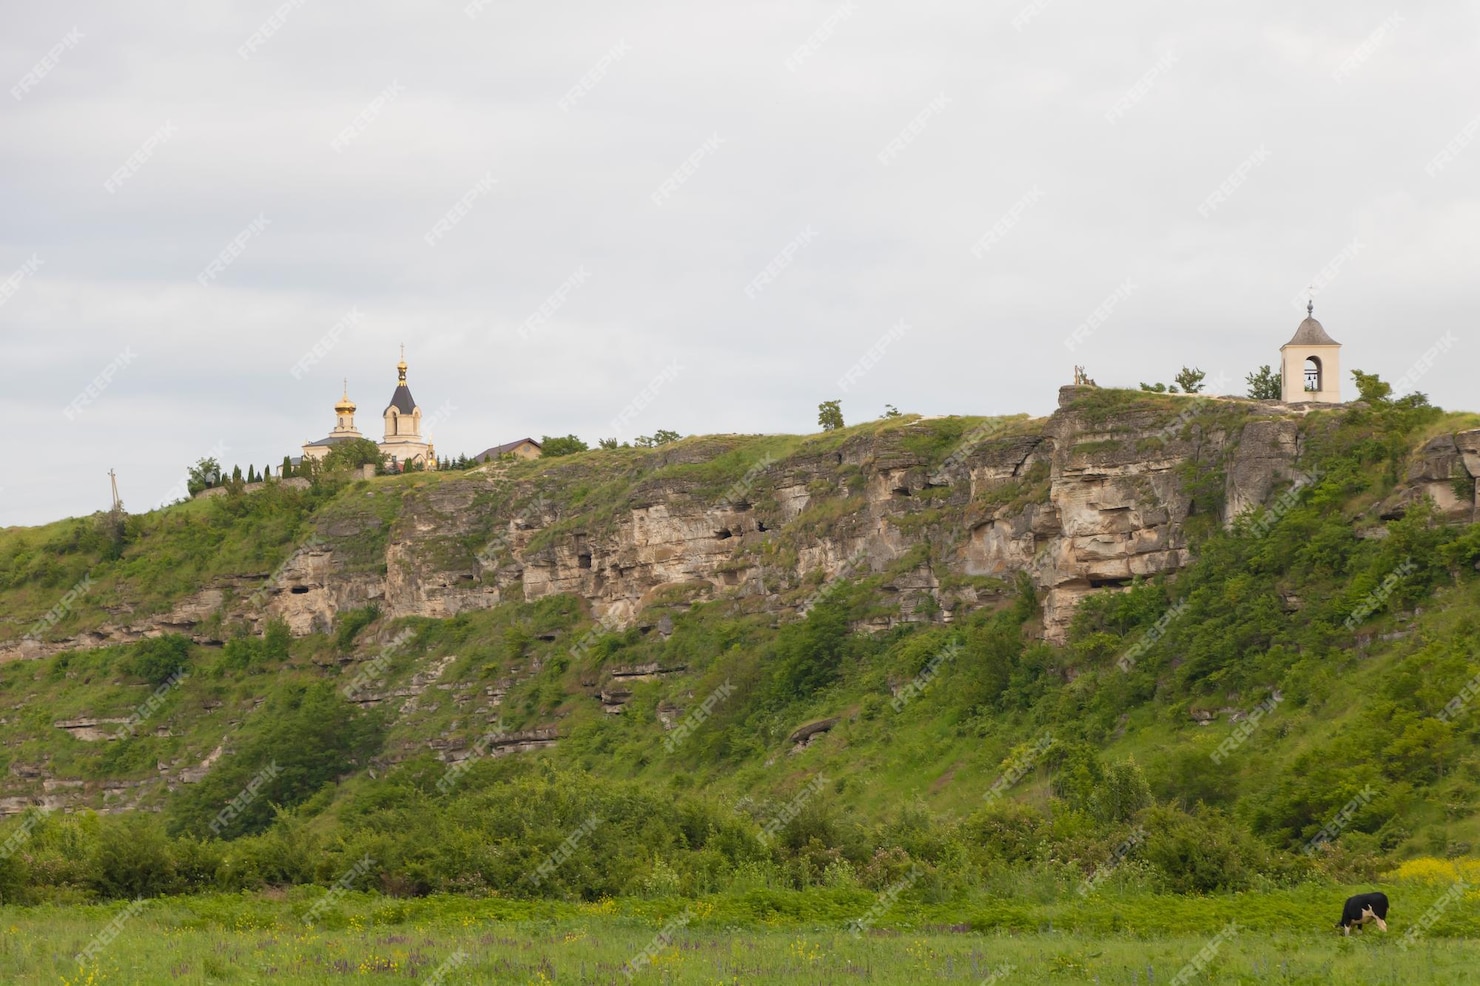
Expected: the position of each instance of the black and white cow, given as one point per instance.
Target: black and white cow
(1361, 909)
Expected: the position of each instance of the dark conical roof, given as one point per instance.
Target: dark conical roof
(1310, 332)
(402, 400)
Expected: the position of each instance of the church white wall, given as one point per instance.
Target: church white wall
(1293, 365)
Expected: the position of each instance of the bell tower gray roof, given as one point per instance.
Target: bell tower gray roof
(1310, 332)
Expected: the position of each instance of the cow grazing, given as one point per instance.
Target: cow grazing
(1362, 908)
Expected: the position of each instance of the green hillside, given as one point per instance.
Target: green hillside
(1274, 713)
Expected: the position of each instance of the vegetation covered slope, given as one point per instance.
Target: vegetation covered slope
(1294, 704)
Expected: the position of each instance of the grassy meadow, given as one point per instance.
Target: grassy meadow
(305, 935)
(984, 806)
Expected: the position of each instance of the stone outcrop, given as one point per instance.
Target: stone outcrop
(91, 729)
(1444, 471)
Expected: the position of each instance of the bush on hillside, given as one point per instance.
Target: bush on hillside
(810, 653)
(132, 858)
(252, 654)
(350, 625)
(303, 740)
(1201, 852)
(155, 659)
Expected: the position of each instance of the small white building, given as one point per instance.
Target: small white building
(1310, 364)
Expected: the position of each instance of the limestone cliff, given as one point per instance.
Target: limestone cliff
(1079, 501)
(947, 512)
(1094, 496)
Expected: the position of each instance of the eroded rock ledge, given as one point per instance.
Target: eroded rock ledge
(1088, 499)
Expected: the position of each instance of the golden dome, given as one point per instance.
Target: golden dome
(345, 405)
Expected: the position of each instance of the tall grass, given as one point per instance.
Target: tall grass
(293, 940)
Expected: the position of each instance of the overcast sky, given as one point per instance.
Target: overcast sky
(956, 201)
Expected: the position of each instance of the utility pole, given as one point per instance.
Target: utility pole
(117, 522)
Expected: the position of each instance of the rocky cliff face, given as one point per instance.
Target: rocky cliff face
(945, 514)
(1100, 493)
(1080, 502)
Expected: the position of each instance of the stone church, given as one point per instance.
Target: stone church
(402, 443)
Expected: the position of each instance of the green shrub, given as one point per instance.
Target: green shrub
(553, 446)
(306, 738)
(351, 623)
(1125, 793)
(1201, 852)
(244, 653)
(131, 858)
(1005, 831)
(157, 658)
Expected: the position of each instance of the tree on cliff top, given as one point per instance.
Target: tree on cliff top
(551, 445)
(660, 437)
(1190, 379)
(203, 475)
(1265, 384)
(352, 454)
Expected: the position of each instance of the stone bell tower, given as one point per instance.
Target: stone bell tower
(1310, 364)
